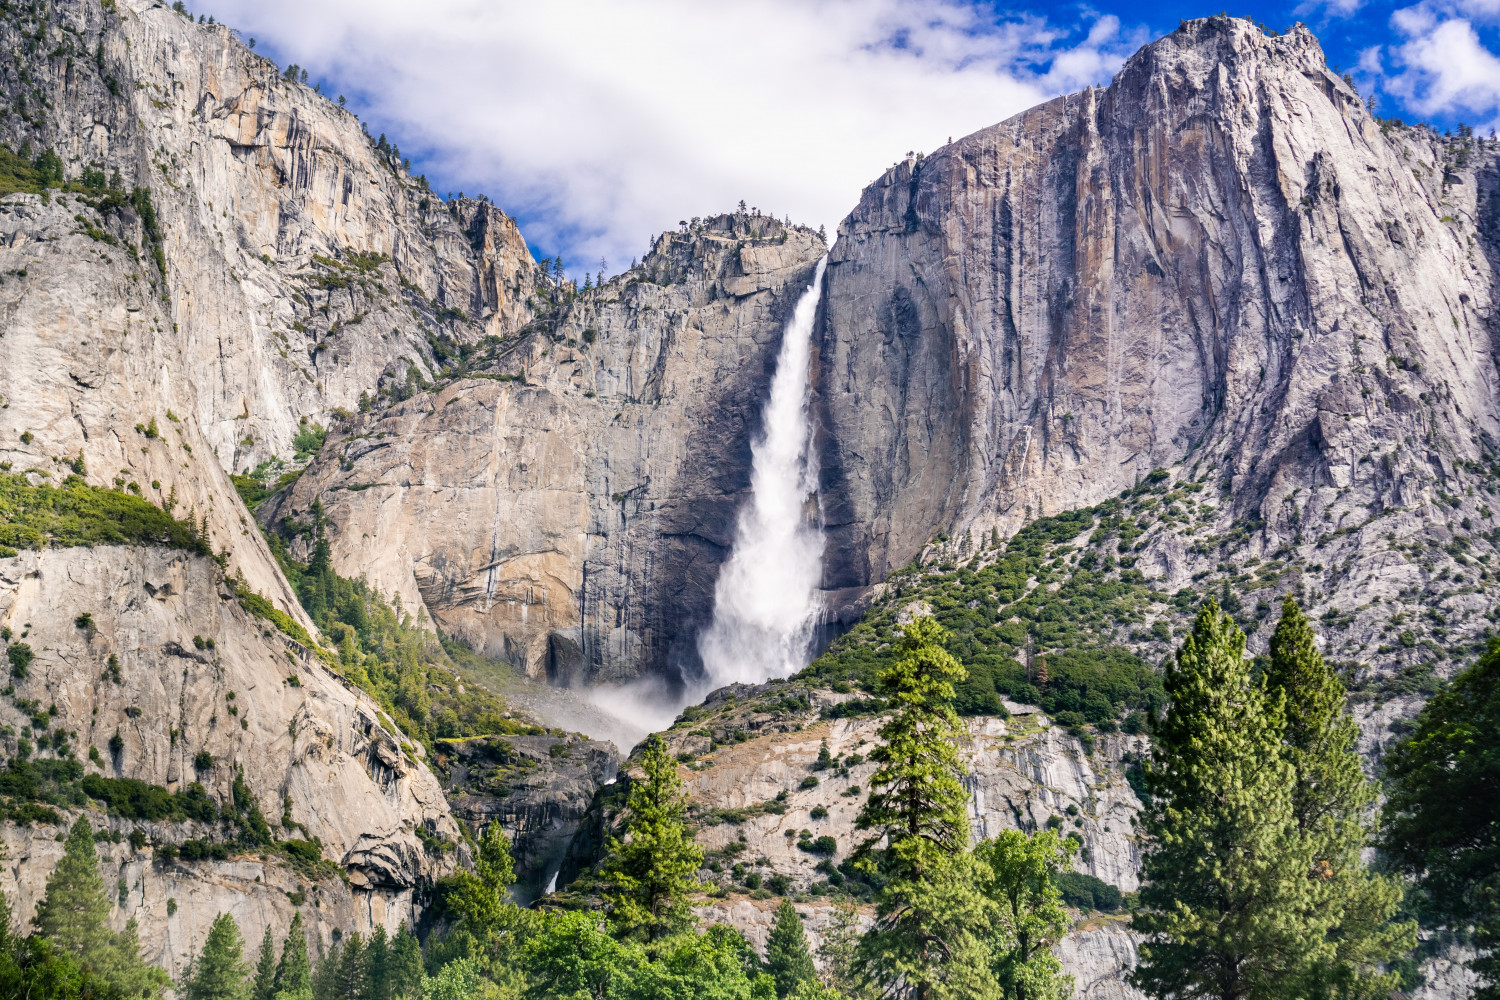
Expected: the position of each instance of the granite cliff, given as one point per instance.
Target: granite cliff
(216, 261)
(1239, 330)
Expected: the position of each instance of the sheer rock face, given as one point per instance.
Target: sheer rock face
(568, 510)
(314, 751)
(298, 267)
(1210, 261)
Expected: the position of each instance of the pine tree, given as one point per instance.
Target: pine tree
(404, 968)
(74, 911)
(325, 973)
(652, 870)
(1226, 888)
(219, 973)
(788, 959)
(294, 971)
(924, 943)
(353, 979)
(377, 963)
(1018, 875)
(1442, 815)
(72, 915)
(1331, 802)
(264, 986)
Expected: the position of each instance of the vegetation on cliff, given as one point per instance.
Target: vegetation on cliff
(75, 513)
(395, 657)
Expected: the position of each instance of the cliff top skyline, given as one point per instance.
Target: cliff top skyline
(598, 125)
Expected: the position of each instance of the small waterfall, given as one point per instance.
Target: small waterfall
(764, 601)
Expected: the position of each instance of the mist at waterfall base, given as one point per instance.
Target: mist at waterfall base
(765, 600)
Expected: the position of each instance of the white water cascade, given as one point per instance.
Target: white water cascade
(765, 598)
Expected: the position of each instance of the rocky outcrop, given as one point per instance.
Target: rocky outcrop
(538, 788)
(1221, 260)
(568, 508)
(174, 904)
(1023, 773)
(173, 682)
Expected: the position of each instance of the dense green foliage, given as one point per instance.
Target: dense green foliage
(33, 175)
(1352, 910)
(652, 869)
(1253, 883)
(1225, 879)
(75, 513)
(219, 972)
(789, 963)
(1018, 875)
(1017, 638)
(926, 942)
(73, 919)
(1442, 814)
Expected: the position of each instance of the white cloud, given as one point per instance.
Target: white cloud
(1327, 9)
(600, 122)
(1443, 66)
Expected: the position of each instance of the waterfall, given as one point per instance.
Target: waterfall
(764, 600)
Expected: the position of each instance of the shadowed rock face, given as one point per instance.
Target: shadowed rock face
(539, 788)
(1210, 260)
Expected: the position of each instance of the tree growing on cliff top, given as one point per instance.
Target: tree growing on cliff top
(1226, 894)
(925, 941)
(1351, 907)
(651, 871)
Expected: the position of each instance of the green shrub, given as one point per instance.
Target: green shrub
(1087, 892)
(75, 513)
(20, 656)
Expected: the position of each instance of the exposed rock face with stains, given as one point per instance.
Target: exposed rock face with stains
(1221, 260)
(539, 788)
(568, 510)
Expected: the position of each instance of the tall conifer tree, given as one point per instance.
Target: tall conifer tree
(1331, 802)
(264, 986)
(72, 917)
(219, 973)
(294, 971)
(74, 911)
(1226, 889)
(788, 959)
(651, 871)
(404, 975)
(924, 943)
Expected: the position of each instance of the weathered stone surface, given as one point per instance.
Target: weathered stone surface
(256, 890)
(538, 788)
(1220, 259)
(572, 517)
(316, 751)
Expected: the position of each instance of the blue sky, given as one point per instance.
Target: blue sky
(599, 123)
